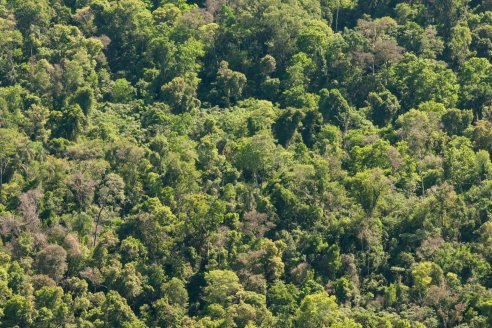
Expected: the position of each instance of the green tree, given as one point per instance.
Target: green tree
(426, 274)
(459, 44)
(18, 311)
(456, 121)
(297, 82)
(181, 93)
(460, 163)
(111, 193)
(115, 312)
(33, 18)
(11, 143)
(417, 80)
(122, 91)
(286, 126)
(317, 310)
(69, 123)
(335, 108)
(11, 42)
(476, 90)
(230, 84)
(383, 107)
(222, 286)
(167, 315)
(482, 135)
(255, 155)
(175, 292)
(85, 98)
(368, 188)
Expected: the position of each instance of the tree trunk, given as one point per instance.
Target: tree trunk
(97, 225)
(1, 180)
(421, 173)
(336, 19)
(1, 185)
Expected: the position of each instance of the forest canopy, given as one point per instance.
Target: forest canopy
(246, 163)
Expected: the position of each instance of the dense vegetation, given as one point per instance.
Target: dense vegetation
(246, 163)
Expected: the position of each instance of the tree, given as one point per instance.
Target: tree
(166, 314)
(350, 323)
(344, 290)
(260, 265)
(52, 261)
(368, 187)
(116, 313)
(447, 304)
(375, 155)
(422, 41)
(85, 98)
(51, 306)
(180, 93)
(175, 292)
(331, 10)
(297, 82)
(230, 84)
(416, 80)
(459, 44)
(268, 64)
(460, 163)
(317, 310)
(151, 227)
(313, 40)
(311, 127)
(452, 11)
(128, 24)
(122, 91)
(256, 224)
(221, 163)
(83, 188)
(476, 90)
(482, 135)
(383, 107)
(255, 155)
(11, 42)
(286, 126)
(202, 215)
(426, 274)
(381, 48)
(221, 287)
(36, 125)
(69, 123)
(18, 310)
(282, 298)
(33, 17)
(415, 127)
(456, 121)
(11, 142)
(334, 108)
(481, 36)
(110, 193)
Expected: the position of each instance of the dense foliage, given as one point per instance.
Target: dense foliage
(246, 163)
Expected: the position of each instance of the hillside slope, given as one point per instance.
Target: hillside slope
(246, 163)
